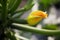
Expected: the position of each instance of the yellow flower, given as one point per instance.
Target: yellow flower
(36, 16)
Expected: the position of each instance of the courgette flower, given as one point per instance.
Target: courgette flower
(35, 17)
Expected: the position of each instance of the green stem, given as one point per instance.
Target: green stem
(35, 30)
(4, 11)
(3, 18)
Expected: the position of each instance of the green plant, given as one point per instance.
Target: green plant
(45, 4)
(8, 22)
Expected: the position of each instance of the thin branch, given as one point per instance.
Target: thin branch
(35, 30)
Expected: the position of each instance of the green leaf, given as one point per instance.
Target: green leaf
(35, 30)
(21, 21)
(27, 7)
(45, 4)
(10, 35)
(0, 5)
(0, 9)
(17, 15)
(14, 6)
(20, 37)
(11, 3)
(0, 1)
(29, 4)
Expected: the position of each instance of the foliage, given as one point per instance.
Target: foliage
(7, 11)
(8, 22)
(45, 4)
